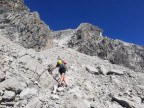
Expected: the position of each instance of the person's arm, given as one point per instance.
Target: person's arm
(52, 70)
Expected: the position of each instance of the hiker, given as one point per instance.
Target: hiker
(62, 69)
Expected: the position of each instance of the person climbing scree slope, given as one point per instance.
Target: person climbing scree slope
(62, 70)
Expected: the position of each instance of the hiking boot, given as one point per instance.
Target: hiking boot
(59, 85)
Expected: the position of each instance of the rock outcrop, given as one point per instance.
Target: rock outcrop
(88, 39)
(23, 27)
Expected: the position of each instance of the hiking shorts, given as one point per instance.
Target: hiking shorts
(62, 71)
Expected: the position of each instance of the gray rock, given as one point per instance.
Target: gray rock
(28, 93)
(92, 70)
(103, 70)
(34, 103)
(21, 103)
(92, 105)
(8, 96)
(1, 93)
(12, 85)
(60, 89)
(54, 97)
(2, 76)
(116, 72)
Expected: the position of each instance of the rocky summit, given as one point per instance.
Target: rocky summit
(102, 72)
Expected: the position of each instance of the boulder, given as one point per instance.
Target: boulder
(1, 92)
(54, 97)
(116, 72)
(60, 89)
(9, 96)
(92, 70)
(28, 93)
(21, 103)
(12, 85)
(34, 103)
(103, 70)
(122, 101)
(93, 105)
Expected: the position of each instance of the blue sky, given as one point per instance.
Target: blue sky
(119, 19)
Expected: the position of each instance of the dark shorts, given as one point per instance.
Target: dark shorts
(62, 71)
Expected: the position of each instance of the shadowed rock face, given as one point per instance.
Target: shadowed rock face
(23, 27)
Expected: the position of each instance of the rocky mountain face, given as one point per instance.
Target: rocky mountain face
(88, 39)
(23, 27)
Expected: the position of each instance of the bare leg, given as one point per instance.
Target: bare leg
(62, 78)
(65, 80)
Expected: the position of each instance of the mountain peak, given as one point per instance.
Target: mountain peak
(90, 27)
(12, 5)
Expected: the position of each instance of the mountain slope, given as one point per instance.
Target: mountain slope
(92, 82)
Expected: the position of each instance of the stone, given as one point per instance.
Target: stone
(54, 97)
(12, 85)
(103, 70)
(92, 70)
(116, 72)
(21, 103)
(34, 103)
(28, 93)
(60, 89)
(92, 105)
(1, 93)
(2, 76)
(8, 96)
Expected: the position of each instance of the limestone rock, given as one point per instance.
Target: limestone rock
(21, 103)
(35, 103)
(8, 96)
(54, 97)
(60, 89)
(92, 70)
(103, 70)
(28, 93)
(12, 85)
(116, 72)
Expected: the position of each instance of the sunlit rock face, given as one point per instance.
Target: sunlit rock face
(22, 26)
